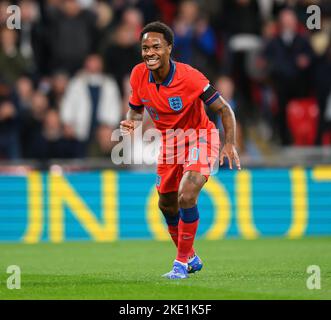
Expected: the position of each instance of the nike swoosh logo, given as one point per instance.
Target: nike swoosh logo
(187, 237)
(145, 100)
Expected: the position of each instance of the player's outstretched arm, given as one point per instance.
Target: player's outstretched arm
(229, 124)
(133, 120)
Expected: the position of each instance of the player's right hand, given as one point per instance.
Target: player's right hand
(127, 127)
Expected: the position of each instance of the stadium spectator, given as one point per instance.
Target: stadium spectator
(23, 93)
(104, 24)
(58, 84)
(195, 40)
(290, 57)
(226, 86)
(31, 41)
(122, 53)
(205, 45)
(242, 36)
(92, 99)
(133, 18)
(71, 36)
(126, 95)
(149, 10)
(9, 138)
(12, 63)
(270, 8)
(49, 143)
(263, 95)
(167, 10)
(102, 143)
(242, 17)
(31, 120)
(183, 26)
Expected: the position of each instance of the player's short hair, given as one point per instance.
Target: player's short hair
(159, 27)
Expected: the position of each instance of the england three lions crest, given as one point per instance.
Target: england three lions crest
(175, 103)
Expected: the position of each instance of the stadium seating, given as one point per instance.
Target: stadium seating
(302, 119)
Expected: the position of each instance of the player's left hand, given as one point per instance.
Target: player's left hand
(229, 151)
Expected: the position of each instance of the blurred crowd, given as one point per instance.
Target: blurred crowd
(64, 75)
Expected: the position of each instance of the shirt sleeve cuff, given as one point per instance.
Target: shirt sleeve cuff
(135, 107)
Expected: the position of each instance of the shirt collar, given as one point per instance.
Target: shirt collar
(169, 77)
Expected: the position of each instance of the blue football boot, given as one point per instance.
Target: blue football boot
(195, 265)
(179, 271)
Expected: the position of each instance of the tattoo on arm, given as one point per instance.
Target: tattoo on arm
(228, 118)
(229, 123)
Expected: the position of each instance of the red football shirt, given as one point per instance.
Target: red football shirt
(174, 104)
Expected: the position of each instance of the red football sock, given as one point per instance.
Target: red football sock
(173, 231)
(186, 237)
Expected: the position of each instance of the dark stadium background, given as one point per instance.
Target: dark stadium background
(59, 183)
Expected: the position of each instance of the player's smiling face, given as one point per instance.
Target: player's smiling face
(155, 50)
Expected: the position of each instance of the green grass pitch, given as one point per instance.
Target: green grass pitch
(274, 268)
